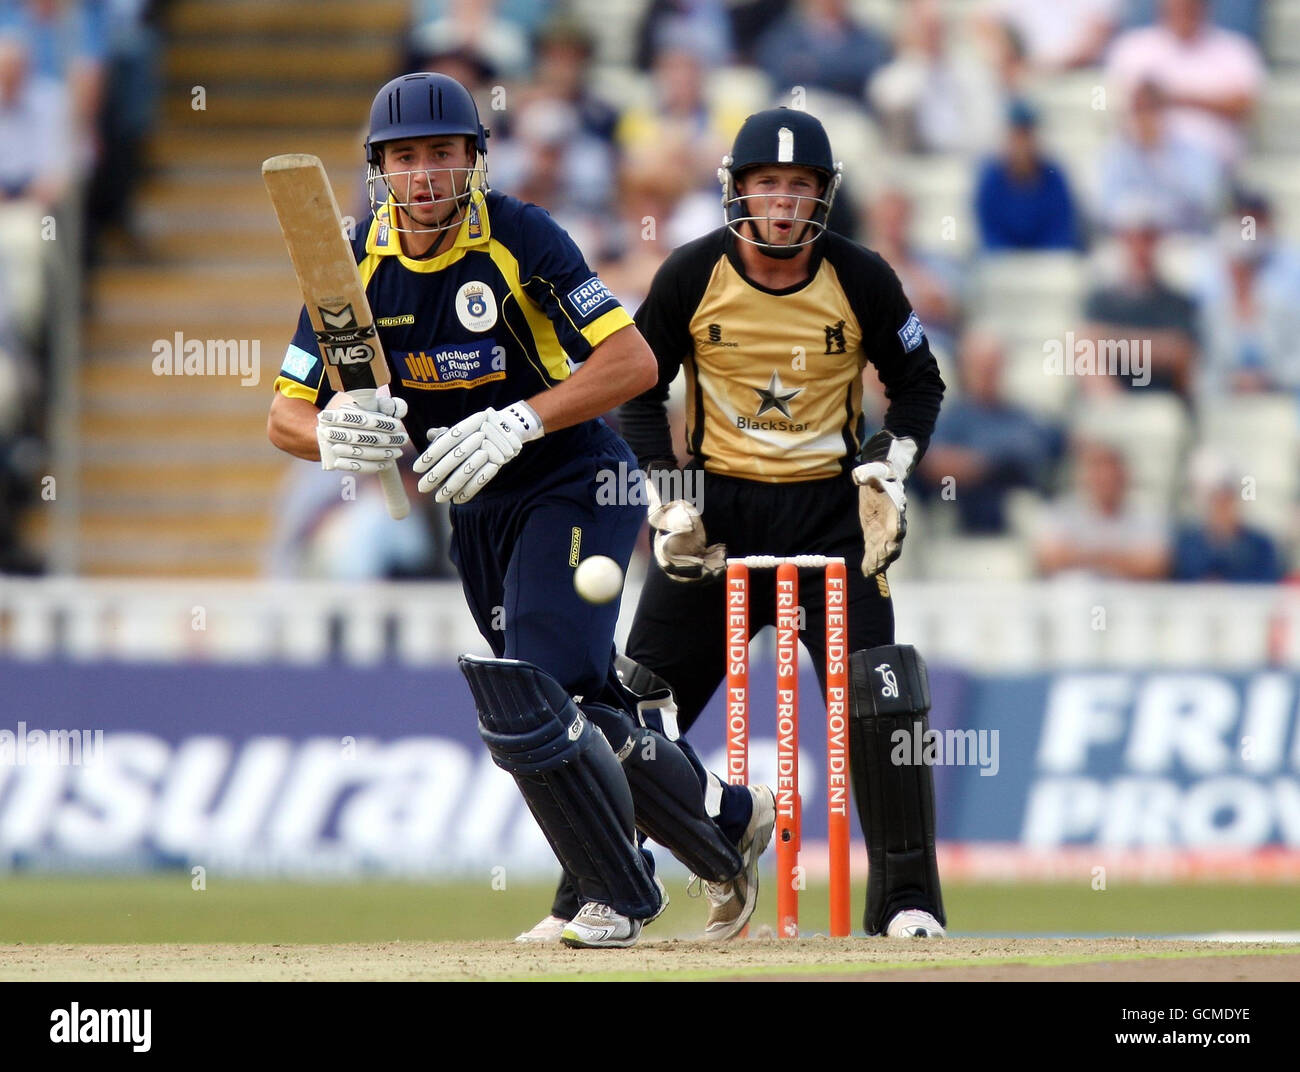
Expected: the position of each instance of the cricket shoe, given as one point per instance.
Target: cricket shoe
(598, 926)
(914, 923)
(731, 903)
(547, 931)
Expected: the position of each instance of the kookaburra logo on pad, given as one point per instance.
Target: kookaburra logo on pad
(888, 682)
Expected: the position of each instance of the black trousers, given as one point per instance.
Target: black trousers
(679, 630)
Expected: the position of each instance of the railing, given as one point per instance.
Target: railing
(978, 626)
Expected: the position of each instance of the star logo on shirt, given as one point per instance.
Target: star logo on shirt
(775, 397)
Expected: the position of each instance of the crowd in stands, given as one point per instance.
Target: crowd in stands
(77, 90)
(1080, 174)
(1165, 252)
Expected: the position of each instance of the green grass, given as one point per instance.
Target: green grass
(163, 908)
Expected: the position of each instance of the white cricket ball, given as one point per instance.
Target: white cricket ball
(598, 579)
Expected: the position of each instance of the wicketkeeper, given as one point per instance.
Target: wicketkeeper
(773, 320)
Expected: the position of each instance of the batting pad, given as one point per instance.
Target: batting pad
(570, 779)
(889, 698)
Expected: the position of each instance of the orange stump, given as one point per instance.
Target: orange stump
(837, 746)
(789, 875)
(738, 673)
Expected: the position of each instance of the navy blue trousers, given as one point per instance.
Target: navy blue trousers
(516, 553)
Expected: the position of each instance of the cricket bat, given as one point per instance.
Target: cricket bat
(331, 289)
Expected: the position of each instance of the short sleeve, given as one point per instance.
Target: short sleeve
(302, 372)
(556, 276)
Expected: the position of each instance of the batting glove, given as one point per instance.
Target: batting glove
(882, 503)
(680, 545)
(462, 459)
(361, 440)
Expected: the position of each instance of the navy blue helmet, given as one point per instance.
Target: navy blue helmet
(419, 105)
(424, 105)
(778, 136)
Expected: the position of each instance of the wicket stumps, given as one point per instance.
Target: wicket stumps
(788, 803)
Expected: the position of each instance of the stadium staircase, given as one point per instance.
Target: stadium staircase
(177, 476)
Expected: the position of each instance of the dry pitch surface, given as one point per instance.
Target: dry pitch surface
(875, 960)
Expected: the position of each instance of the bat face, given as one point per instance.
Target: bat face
(331, 289)
(345, 342)
(327, 272)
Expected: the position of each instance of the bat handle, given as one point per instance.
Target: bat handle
(390, 479)
(394, 494)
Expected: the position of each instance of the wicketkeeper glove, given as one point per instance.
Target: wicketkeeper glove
(882, 505)
(358, 439)
(462, 459)
(680, 546)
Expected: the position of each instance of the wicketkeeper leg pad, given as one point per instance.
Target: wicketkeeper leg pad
(889, 697)
(569, 777)
(667, 796)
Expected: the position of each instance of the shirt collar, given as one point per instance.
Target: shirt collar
(475, 229)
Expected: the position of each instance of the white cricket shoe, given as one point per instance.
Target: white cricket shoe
(731, 903)
(597, 926)
(551, 928)
(914, 923)
(548, 930)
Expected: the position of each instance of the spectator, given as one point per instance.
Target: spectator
(657, 212)
(1004, 54)
(933, 284)
(819, 45)
(564, 49)
(1245, 17)
(128, 115)
(683, 134)
(528, 15)
(928, 100)
(1141, 308)
(1096, 532)
(35, 141)
(987, 445)
(1060, 35)
(749, 21)
(66, 42)
(668, 24)
(1210, 77)
(1183, 181)
(1217, 546)
(1022, 200)
(1250, 306)
(473, 28)
(554, 163)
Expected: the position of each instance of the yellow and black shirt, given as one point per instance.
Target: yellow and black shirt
(497, 317)
(774, 377)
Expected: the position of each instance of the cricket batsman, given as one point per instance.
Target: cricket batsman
(774, 319)
(483, 305)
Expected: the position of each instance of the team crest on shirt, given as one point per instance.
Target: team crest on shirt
(476, 306)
